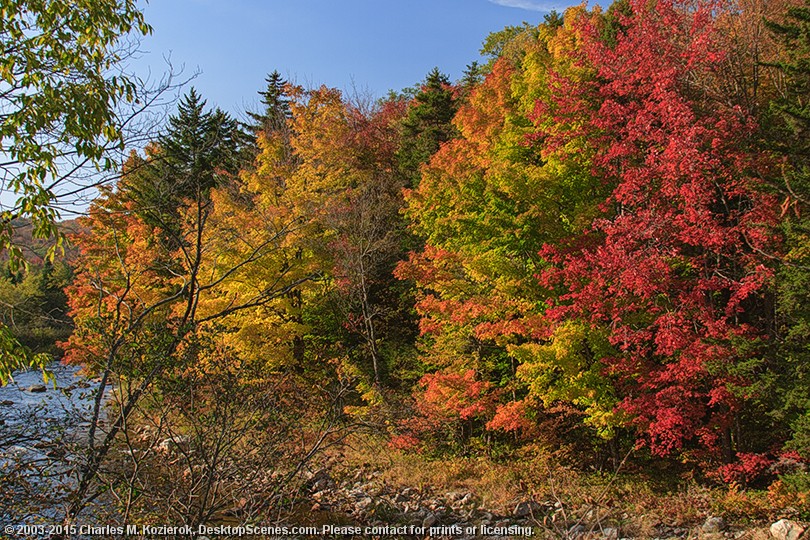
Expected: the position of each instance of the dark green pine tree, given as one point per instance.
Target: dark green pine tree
(198, 146)
(427, 125)
(788, 133)
(473, 76)
(794, 106)
(276, 104)
(199, 150)
(553, 19)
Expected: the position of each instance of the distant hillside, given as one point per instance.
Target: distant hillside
(34, 249)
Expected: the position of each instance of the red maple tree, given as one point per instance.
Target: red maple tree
(676, 266)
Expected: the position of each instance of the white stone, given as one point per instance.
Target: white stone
(784, 529)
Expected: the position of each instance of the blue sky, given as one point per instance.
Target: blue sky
(373, 45)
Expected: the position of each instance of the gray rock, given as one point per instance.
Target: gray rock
(320, 481)
(785, 529)
(418, 513)
(526, 509)
(714, 525)
(576, 530)
(610, 533)
(172, 443)
(429, 521)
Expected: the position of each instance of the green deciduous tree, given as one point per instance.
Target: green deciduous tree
(34, 307)
(486, 203)
(59, 93)
(60, 85)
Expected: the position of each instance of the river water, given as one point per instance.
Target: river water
(41, 426)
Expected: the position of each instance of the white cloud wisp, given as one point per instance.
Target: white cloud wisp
(522, 4)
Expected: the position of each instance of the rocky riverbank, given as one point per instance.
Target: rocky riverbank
(365, 499)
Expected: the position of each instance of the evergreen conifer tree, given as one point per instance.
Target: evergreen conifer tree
(427, 125)
(473, 76)
(198, 145)
(790, 138)
(199, 150)
(276, 107)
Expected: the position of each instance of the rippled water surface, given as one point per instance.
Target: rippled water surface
(41, 427)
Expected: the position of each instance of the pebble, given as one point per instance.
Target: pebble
(785, 529)
(714, 525)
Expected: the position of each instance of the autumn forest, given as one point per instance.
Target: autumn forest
(587, 260)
